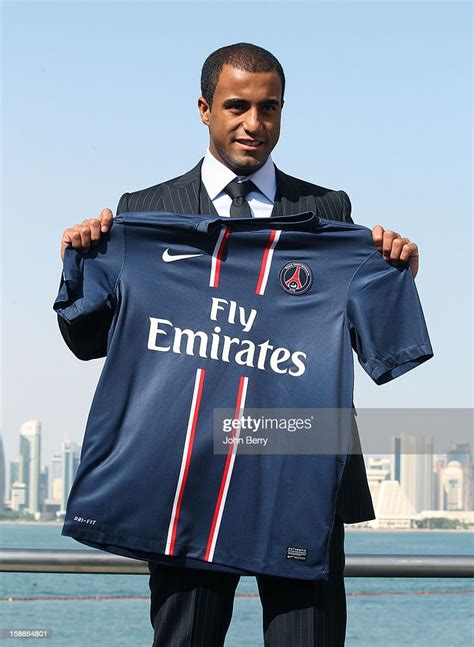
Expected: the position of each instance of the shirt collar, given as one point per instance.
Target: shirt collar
(215, 176)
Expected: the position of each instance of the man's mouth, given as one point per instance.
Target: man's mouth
(249, 144)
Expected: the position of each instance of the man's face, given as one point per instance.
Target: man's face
(244, 120)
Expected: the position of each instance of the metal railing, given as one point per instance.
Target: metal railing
(42, 560)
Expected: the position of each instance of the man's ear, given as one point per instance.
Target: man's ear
(204, 110)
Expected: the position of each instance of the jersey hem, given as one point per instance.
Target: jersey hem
(121, 545)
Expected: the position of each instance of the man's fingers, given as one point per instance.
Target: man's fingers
(388, 238)
(409, 253)
(78, 237)
(408, 250)
(73, 236)
(87, 233)
(377, 236)
(402, 250)
(397, 248)
(99, 225)
(93, 224)
(383, 239)
(105, 218)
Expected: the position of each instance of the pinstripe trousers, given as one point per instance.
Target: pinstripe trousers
(193, 607)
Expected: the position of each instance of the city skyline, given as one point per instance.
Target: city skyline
(406, 485)
(34, 486)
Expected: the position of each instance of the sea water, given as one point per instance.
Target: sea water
(388, 612)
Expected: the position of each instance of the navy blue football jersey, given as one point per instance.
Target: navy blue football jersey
(215, 315)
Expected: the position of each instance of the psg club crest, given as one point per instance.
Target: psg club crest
(296, 278)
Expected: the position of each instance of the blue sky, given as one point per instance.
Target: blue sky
(100, 98)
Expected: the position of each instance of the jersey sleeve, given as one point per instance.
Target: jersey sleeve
(385, 319)
(86, 299)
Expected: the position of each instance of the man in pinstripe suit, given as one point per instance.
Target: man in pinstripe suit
(242, 97)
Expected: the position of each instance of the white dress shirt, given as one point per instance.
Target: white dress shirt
(216, 176)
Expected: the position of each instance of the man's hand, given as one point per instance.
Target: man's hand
(88, 233)
(395, 248)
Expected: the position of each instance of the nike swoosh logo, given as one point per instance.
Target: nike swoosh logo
(166, 256)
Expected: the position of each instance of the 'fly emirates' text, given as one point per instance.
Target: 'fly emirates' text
(222, 347)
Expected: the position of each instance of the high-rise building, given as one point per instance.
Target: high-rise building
(461, 452)
(14, 472)
(29, 464)
(439, 463)
(71, 453)
(2, 476)
(396, 458)
(56, 478)
(378, 470)
(18, 497)
(412, 467)
(452, 486)
(43, 488)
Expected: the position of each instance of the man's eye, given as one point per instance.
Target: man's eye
(270, 108)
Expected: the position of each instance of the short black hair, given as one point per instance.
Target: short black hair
(243, 56)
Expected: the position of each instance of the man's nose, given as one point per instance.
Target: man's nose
(252, 121)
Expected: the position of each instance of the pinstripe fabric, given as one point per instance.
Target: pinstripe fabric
(190, 607)
(294, 196)
(193, 608)
(186, 194)
(301, 613)
(205, 203)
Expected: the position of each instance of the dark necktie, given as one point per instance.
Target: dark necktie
(238, 191)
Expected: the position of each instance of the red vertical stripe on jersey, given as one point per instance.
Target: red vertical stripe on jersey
(225, 473)
(187, 460)
(266, 261)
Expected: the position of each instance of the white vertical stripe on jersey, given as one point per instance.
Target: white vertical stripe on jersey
(183, 459)
(268, 261)
(215, 257)
(241, 407)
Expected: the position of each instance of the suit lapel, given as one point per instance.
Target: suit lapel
(286, 202)
(206, 205)
(182, 194)
(187, 194)
(277, 205)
